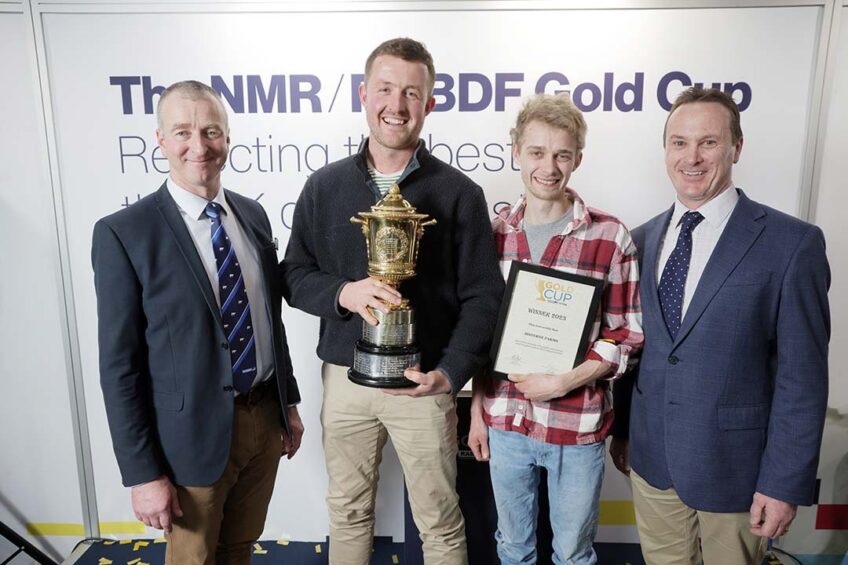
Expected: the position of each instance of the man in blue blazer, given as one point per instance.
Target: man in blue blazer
(727, 407)
(194, 365)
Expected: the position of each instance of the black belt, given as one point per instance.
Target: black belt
(257, 393)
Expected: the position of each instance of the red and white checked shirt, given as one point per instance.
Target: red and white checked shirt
(593, 244)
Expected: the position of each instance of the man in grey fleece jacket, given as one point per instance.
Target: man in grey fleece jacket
(456, 295)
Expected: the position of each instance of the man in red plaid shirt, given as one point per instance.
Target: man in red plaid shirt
(556, 421)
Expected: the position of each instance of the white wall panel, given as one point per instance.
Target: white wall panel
(594, 51)
(38, 464)
(831, 211)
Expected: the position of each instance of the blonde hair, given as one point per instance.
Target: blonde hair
(558, 111)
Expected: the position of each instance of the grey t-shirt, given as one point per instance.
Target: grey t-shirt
(538, 236)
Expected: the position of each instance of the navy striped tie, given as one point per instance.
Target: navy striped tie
(673, 280)
(235, 309)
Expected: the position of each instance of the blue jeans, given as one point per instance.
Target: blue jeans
(575, 473)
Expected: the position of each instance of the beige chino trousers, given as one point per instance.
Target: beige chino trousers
(356, 423)
(669, 530)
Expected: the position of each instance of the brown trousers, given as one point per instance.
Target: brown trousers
(221, 522)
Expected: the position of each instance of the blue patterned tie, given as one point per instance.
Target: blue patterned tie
(673, 280)
(235, 309)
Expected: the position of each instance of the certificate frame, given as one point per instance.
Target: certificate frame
(553, 310)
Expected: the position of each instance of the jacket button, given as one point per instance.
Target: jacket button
(673, 360)
(225, 345)
(228, 388)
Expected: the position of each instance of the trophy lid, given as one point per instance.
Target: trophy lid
(393, 203)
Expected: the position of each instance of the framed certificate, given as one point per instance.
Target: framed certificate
(544, 321)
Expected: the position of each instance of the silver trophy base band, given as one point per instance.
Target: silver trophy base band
(382, 370)
(397, 327)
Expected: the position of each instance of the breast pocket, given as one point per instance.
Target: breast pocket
(753, 278)
(744, 301)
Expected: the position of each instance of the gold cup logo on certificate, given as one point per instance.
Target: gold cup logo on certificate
(392, 231)
(545, 320)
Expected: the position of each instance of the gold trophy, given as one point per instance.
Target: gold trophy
(392, 231)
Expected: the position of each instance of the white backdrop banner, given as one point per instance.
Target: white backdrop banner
(290, 80)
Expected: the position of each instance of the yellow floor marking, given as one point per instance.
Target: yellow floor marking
(76, 530)
(617, 513)
(140, 543)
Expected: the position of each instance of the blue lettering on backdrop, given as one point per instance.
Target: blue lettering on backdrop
(558, 78)
(502, 91)
(443, 91)
(126, 93)
(485, 87)
(148, 91)
(266, 155)
(256, 93)
(665, 94)
(467, 92)
(464, 92)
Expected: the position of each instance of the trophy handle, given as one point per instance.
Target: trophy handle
(421, 227)
(363, 223)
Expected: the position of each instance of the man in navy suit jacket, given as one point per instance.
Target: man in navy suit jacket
(200, 408)
(727, 407)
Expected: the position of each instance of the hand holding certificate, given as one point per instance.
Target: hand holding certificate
(545, 320)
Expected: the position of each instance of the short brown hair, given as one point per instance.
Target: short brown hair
(558, 111)
(191, 89)
(408, 50)
(698, 94)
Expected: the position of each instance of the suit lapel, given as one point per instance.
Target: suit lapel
(245, 220)
(171, 214)
(650, 257)
(739, 235)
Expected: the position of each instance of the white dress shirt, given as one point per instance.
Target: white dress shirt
(704, 238)
(192, 209)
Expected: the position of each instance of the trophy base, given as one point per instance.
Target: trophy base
(382, 366)
(378, 382)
